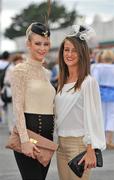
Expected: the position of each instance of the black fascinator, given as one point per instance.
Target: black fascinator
(40, 29)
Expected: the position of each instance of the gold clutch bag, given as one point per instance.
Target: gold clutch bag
(46, 146)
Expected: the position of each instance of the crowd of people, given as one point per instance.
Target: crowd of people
(103, 71)
(7, 63)
(76, 97)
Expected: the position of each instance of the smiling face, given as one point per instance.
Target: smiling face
(38, 46)
(70, 54)
(73, 60)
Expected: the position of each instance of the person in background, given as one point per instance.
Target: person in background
(4, 64)
(6, 94)
(99, 57)
(17, 58)
(92, 56)
(104, 74)
(55, 75)
(78, 113)
(33, 101)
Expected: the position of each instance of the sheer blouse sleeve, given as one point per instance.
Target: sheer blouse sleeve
(18, 95)
(93, 119)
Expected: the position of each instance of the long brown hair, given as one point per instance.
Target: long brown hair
(83, 63)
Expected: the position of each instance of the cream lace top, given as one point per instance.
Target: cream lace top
(32, 92)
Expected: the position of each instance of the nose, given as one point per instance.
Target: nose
(42, 47)
(69, 53)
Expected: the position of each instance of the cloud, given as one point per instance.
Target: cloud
(84, 7)
(17, 5)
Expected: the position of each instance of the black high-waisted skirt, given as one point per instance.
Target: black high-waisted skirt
(41, 124)
(31, 169)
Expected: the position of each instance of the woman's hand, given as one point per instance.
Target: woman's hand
(89, 158)
(28, 149)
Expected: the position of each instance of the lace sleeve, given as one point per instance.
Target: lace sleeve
(18, 92)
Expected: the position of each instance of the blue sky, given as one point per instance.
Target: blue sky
(89, 8)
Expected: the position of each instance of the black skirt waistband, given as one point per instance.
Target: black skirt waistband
(36, 115)
(40, 123)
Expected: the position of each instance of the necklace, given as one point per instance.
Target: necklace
(71, 80)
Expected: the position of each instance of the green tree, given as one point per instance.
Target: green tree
(59, 18)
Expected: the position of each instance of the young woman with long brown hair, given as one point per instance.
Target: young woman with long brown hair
(78, 106)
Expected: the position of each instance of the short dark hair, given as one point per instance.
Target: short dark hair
(5, 55)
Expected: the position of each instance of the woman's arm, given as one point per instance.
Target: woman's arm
(18, 95)
(93, 118)
(93, 122)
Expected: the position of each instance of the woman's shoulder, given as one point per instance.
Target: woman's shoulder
(21, 67)
(19, 71)
(89, 80)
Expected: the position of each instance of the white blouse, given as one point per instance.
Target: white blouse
(79, 113)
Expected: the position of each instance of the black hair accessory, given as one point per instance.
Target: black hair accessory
(40, 29)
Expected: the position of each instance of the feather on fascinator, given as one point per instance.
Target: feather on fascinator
(82, 32)
(40, 28)
(48, 12)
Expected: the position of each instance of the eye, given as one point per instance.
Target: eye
(74, 51)
(46, 44)
(66, 50)
(38, 43)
